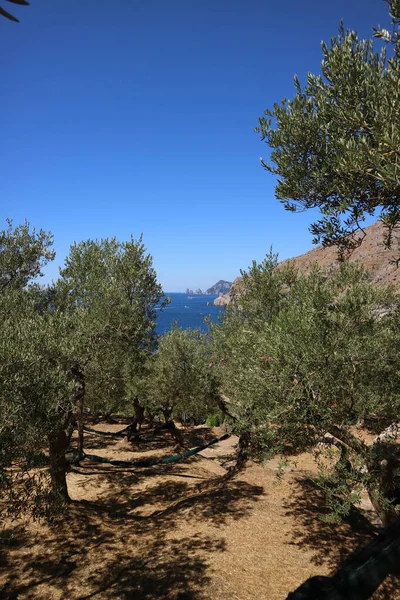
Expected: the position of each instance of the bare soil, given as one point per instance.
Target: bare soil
(183, 531)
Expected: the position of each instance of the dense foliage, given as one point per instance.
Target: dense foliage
(302, 359)
(180, 379)
(297, 362)
(35, 386)
(336, 144)
(112, 289)
(80, 339)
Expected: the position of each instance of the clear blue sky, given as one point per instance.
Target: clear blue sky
(122, 117)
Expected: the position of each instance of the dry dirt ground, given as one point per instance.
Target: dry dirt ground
(181, 532)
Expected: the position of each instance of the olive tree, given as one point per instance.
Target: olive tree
(36, 391)
(23, 254)
(180, 377)
(110, 289)
(335, 145)
(57, 343)
(302, 359)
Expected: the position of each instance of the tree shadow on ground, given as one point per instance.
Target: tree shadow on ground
(146, 443)
(92, 441)
(330, 542)
(175, 570)
(10, 537)
(221, 499)
(198, 436)
(148, 440)
(177, 469)
(151, 440)
(112, 549)
(334, 545)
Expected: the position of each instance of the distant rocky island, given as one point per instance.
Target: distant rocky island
(221, 287)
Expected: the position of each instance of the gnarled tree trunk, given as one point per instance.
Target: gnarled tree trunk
(380, 459)
(58, 445)
(139, 414)
(379, 491)
(242, 451)
(383, 460)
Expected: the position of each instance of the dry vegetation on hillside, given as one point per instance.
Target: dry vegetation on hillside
(372, 254)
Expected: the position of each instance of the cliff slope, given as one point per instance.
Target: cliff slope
(372, 254)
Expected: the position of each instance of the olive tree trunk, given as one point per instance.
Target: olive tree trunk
(58, 445)
(151, 416)
(138, 415)
(80, 403)
(167, 412)
(380, 459)
(383, 460)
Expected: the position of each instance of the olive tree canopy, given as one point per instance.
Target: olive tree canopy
(335, 145)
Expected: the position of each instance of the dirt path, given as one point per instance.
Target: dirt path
(180, 532)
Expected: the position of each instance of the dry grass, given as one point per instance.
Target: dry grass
(180, 532)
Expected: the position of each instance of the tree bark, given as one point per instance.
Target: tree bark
(80, 402)
(382, 489)
(348, 438)
(171, 427)
(177, 435)
(58, 445)
(139, 414)
(243, 451)
(383, 459)
(222, 401)
(151, 420)
(108, 418)
(71, 424)
(380, 460)
(167, 412)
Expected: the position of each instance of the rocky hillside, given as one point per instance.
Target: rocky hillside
(372, 254)
(235, 289)
(221, 287)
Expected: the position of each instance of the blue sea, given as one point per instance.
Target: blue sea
(188, 311)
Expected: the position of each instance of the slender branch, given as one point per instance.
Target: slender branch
(349, 439)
